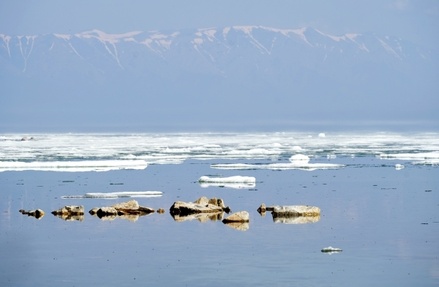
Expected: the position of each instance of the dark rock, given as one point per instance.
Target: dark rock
(37, 213)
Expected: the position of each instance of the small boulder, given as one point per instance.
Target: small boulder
(240, 216)
(262, 209)
(290, 210)
(331, 250)
(296, 210)
(292, 214)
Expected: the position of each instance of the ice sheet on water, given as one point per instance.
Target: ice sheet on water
(237, 182)
(425, 158)
(278, 166)
(297, 161)
(175, 148)
(73, 166)
(114, 195)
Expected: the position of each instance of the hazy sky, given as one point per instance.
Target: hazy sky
(411, 19)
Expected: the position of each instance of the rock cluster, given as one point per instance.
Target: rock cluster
(202, 209)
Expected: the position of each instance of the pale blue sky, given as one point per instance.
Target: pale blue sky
(416, 20)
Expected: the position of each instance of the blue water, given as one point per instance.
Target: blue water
(384, 218)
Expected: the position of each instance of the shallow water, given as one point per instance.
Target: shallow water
(384, 219)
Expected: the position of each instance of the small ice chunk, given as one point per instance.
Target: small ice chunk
(230, 179)
(299, 158)
(297, 148)
(237, 182)
(399, 166)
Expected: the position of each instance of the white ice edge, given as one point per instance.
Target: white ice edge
(73, 166)
(412, 156)
(229, 185)
(236, 182)
(277, 166)
(422, 158)
(230, 179)
(112, 195)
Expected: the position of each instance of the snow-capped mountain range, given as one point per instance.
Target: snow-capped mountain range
(211, 45)
(227, 66)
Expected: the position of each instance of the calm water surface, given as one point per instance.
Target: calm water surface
(385, 219)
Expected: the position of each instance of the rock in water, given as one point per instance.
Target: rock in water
(292, 214)
(262, 209)
(295, 210)
(240, 216)
(37, 213)
(129, 208)
(201, 205)
(331, 250)
(69, 210)
(70, 213)
(132, 204)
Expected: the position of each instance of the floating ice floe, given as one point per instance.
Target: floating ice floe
(237, 182)
(425, 158)
(297, 161)
(113, 195)
(73, 166)
(399, 166)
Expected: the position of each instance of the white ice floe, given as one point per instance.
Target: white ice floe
(298, 161)
(177, 148)
(426, 158)
(73, 166)
(399, 166)
(277, 166)
(297, 158)
(113, 195)
(236, 182)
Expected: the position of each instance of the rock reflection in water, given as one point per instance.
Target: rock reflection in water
(70, 217)
(295, 219)
(202, 217)
(241, 226)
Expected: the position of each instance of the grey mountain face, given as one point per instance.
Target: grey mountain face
(240, 76)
